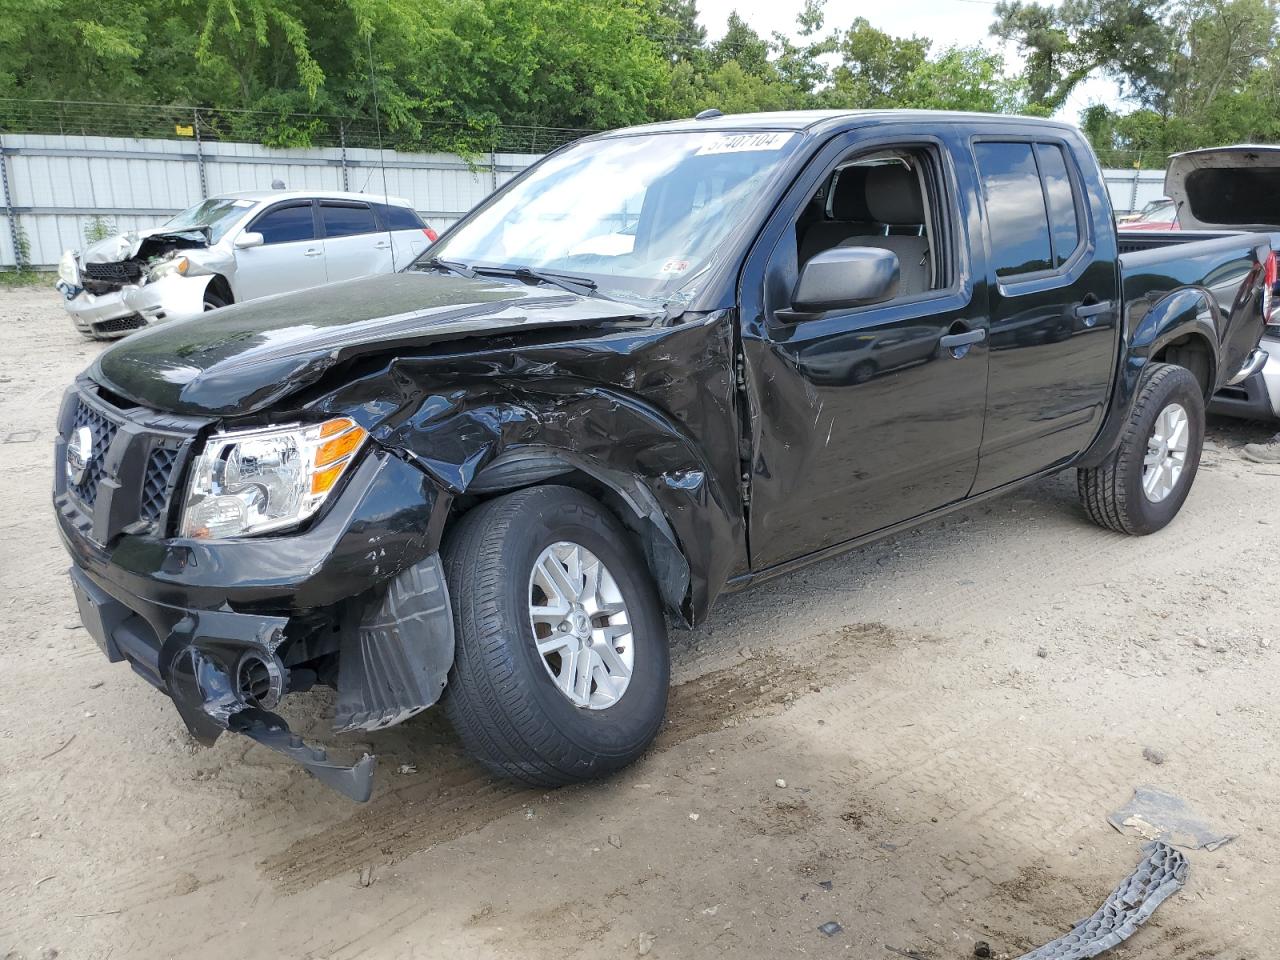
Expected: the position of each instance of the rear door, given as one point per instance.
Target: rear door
(1054, 304)
(354, 245)
(408, 232)
(290, 258)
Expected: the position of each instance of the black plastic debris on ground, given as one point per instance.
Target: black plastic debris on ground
(1161, 873)
(830, 928)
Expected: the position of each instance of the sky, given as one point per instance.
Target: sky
(945, 22)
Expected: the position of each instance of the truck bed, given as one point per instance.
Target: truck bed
(1155, 262)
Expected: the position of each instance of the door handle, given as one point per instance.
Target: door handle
(1089, 312)
(313, 252)
(953, 340)
(382, 246)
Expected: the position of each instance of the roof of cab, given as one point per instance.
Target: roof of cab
(820, 120)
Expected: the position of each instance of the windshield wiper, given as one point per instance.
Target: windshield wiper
(452, 266)
(583, 286)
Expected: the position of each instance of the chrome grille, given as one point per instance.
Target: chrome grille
(103, 431)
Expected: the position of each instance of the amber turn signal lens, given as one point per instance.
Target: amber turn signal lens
(340, 446)
(322, 480)
(331, 427)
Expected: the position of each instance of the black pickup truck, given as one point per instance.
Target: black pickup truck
(661, 364)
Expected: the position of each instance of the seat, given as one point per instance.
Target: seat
(892, 197)
(849, 215)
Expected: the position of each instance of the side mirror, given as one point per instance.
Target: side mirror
(248, 239)
(846, 277)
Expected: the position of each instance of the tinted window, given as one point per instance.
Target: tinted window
(1063, 210)
(342, 220)
(1016, 218)
(286, 224)
(401, 218)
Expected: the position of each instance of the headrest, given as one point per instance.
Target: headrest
(849, 195)
(893, 195)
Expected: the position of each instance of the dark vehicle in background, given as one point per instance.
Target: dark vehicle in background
(1218, 191)
(631, 380)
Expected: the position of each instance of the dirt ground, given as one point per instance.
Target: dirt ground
(953, 711)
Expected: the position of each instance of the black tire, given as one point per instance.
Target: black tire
(1112, 492)
(510, 715)
(213, 299)
(863, 371)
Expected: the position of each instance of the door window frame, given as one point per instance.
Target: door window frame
(1071, 269)
(779, 232)
(356, 204)
(252, 226)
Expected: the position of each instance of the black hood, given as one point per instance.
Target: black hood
(243, 358)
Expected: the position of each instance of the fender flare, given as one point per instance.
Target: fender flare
(1186, 311)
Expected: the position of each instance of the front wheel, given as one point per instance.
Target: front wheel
(562, 666)
(1143, 484)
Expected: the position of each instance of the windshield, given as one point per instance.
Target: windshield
(220, 215)
(641, 216)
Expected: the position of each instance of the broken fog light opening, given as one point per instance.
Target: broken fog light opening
(260, 680)
(256, 481)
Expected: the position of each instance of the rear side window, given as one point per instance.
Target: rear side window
(286, 224)
(1033, 210)
(1016, 215)
(401, 218)
(345, 220)
(1064, 212)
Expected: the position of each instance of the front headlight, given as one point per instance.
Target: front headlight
(165, 268)
(254, 481)
(68, 270)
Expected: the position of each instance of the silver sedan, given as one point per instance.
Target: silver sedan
(239, 246)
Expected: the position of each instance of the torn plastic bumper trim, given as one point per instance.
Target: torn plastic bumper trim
(1161, 873)
(197, 666)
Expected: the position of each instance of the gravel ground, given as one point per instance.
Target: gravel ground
(953, 712)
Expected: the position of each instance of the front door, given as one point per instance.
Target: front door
(290, 257)
(871, 415)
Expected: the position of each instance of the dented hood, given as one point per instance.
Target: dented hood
(243, 358)
(122, 246)
(1226, 188)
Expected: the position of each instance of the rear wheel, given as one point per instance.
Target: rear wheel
(1143, 484)
(562, 665)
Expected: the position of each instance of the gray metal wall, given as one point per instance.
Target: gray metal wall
(57, 184)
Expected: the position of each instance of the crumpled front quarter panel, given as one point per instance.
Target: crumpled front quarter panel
(652, 403)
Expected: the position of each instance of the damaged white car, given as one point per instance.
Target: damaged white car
(235, 247)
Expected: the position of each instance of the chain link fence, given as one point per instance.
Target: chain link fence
(69, 169)
(271, 129)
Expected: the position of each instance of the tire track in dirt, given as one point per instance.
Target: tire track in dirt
(460, 799)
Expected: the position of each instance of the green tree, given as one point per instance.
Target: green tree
(1128, 40)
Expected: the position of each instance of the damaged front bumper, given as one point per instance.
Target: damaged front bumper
(226, 629)
(203, 665)
(117, 312)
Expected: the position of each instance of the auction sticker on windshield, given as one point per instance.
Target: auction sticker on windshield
(744, 143)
